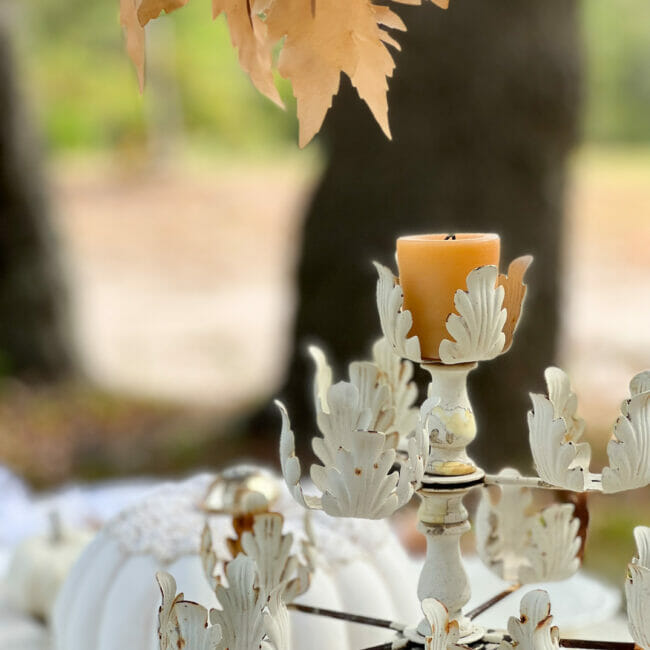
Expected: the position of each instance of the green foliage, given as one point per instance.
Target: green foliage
(85, 88)
(87, 93)
(617, 45)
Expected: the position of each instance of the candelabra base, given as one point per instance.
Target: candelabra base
(469, 633)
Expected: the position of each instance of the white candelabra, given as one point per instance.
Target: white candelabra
(377, 449)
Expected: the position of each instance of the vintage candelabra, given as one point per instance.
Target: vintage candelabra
(377, 449)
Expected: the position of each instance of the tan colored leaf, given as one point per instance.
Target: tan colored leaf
(515, 291)
(443, 4)
(249, 35)
(134, 33)
(323, 39)
(150, 9)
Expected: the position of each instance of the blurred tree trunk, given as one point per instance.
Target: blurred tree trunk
(33, 335)
(484, 109)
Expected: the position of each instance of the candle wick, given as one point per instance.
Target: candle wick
(451, 236)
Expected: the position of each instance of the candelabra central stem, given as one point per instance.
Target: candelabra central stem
(443, 520)
(454, 424)
(450, 474)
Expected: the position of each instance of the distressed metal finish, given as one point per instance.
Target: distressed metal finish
(534, 629)
(395, 321)
(515, 292)
(258, 584)
(184, 624)
(444, 633)
(362, 422)
(558, 459)
(637, 589)
(477, 329)
(524, 548)
(447, 420)
(629, 451)
(443, 520)
(481, 330)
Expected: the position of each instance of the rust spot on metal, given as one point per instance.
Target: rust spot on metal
(357, 471)
(376, 465)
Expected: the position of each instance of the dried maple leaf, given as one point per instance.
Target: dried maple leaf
(321, 40)
(324, 39)
(150, 9)
(134, 33)
(249, 36)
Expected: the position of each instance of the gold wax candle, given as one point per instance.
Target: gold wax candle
(431, 269)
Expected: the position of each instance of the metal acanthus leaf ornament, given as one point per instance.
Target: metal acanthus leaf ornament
(558, 459)
(182, 623)
(398, 376)
(565, 402)
(629, 451)
(522, 548)
(637, 590)
(276, 567)
(534, 629)
(395, 321)
(276, 623)
(478, 326)
(356, 477)
(515, 292)
(444, 633)
(385, 385)
(553, 545)
(242, 606)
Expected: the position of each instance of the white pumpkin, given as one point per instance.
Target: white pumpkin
(111, 599)
(40, 565)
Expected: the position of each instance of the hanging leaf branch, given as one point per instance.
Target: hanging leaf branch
(321, 39)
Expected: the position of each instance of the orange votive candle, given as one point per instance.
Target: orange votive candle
(431, 269)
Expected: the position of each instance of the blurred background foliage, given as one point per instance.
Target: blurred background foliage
(87, 99)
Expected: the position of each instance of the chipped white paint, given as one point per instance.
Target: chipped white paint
(629, 451)
(385, 388)
(184, 624)
(398, 376)
(448, 420)
(477, 329)
(360, 483)
(276, 623)
(553, 545)
(524, 548)
(241, 616)
(444, 633)
(637, 589)
(395, 321)
(270, 548)
(565, 402)
(443, 520)
(534, 629)
(558, 460)
(356, 477)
